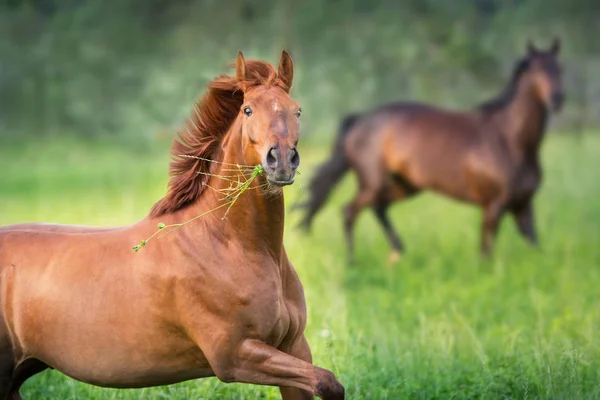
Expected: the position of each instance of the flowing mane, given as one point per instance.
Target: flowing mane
(210, 120)
(509, 92)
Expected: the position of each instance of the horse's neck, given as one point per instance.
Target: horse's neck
(256, 218)
(524, 121)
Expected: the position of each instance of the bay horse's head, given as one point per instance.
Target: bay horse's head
(546, 75)
(270, 126)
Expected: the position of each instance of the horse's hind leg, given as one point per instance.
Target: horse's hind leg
(22, 372)
(365, 198)
(396, 190)
(7, 366)
(371, 180)
(380, 208)
(492, 214)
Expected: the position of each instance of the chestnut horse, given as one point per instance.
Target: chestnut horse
(487, 156)
(217, 297)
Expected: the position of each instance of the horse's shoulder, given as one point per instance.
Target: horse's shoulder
(291, 282)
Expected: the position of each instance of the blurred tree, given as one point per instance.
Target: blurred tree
(130, 66)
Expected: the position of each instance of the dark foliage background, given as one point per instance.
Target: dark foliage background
(133, 67)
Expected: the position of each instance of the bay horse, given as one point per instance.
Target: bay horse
(487, 156)
(218, 297)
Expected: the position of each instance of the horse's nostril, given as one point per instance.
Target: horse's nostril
(272, 158)
(295, 158)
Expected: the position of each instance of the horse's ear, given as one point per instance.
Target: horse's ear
(531, 49)
(555, 47)
(286, 69)
(240, 68)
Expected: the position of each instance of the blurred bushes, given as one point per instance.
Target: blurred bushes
(133, 67)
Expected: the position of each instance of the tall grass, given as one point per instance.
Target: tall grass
(441, 324)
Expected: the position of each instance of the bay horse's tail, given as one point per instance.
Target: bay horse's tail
(328, 174)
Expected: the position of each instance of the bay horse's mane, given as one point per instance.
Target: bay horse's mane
(205, 129)
(507, 95)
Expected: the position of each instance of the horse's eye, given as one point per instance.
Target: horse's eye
(247, 111)
(298, 113)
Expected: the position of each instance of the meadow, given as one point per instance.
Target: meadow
(441, 324)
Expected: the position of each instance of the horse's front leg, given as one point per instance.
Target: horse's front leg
(258, 363)
(523, 215)
(300, 349)
(492, 214)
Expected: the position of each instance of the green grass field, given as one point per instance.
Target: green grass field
(440, 325)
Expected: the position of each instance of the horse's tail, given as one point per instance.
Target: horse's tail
(328, 174)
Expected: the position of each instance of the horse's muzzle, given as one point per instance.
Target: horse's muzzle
(280, 182)
(281, 168)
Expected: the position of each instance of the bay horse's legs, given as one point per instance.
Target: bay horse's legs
(380, 207)
(371, 181)
(364, 198)
(300, 350)
(259, 363)
(492, 214)
(523, 215)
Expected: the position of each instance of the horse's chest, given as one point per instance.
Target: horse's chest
(252, 303)
(268, 315)
(245, 299)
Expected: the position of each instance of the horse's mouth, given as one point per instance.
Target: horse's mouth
(280, 183)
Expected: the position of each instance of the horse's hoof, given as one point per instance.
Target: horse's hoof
(394, 257)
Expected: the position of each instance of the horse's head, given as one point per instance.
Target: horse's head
(546, 75)
(270, 126)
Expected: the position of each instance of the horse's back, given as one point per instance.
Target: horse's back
(432, 147)
(420, 133)
(33, 245)
(417, 128)
(430, 122)
(27, 250)
(47, 227)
